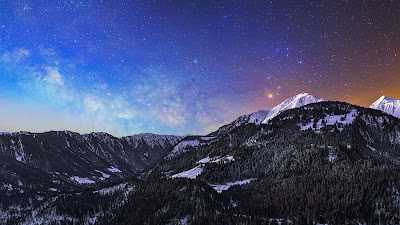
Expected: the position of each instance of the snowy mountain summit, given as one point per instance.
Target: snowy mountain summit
(388, 105)
(291, 103)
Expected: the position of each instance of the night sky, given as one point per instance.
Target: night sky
(187, 67)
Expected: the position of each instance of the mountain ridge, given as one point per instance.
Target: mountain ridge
(341, 160)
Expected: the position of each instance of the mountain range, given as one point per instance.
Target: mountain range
(37, 165)
(340, 161)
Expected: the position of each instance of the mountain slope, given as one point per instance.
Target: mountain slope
(162, 201)
(301, 154)
(262, 116)
(387, 105)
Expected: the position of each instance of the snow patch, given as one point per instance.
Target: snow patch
(184, 221)
(191, 174)
(82, 180)
(19, 158)
(207, 138)
(19, 151)
(92, 220)
(9, 187)
(103, 174)
(67, 143)
(224, 159)
(224, 187)
(331, 157)
(114, 169)
(372, 148)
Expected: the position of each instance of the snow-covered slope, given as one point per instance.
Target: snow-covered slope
(291, 103)
(388, 105)
(258, 117)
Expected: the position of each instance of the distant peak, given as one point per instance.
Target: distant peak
(388, 105)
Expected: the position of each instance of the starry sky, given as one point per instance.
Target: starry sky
(187, 67)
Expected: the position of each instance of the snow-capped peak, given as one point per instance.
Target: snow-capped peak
(388, 105)
(263, 116)
(291, 103)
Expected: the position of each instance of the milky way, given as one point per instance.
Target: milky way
(187, 67)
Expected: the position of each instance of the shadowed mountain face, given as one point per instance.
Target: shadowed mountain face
(162, 201)
(38, 165)
(90, 155)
